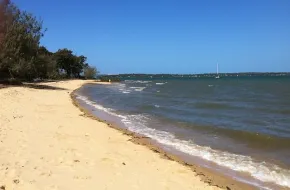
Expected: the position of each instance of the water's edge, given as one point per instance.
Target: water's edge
(207, 175)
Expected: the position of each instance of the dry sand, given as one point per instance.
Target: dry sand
(47, 143)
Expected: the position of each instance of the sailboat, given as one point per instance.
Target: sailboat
(217, 71)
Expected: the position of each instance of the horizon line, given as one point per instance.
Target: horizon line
(283, 72)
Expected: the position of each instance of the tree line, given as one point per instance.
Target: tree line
(23, 57)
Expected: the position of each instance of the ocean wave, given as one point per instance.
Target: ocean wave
(160, 83)
(99, 107)
(138, 88)
(138, 81)
(122, 88)
(262, 171)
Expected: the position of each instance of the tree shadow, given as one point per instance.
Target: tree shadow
(42, 86)
(35, 85)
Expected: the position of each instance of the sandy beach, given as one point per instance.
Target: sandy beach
(48, 143)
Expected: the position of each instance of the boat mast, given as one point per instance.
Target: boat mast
(217, 69)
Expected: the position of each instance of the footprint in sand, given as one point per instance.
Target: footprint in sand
(106, 159)
(52, 187)
(82, 177)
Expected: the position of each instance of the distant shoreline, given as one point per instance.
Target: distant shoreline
(209, 76)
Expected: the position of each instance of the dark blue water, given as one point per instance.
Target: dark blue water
(241, 124)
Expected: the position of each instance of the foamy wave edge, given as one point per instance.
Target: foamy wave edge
(138, 81)
(262, 171)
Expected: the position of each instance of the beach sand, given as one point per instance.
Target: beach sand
(46, 142)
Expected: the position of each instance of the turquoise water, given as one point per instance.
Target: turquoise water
(242, 124)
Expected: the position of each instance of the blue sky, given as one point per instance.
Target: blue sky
(170, 36)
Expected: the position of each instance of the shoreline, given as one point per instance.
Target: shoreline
(47, 143)
(207, 175)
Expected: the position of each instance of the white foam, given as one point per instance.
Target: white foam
(138, 89)
(138, 81)
(265, 172)
(99, 107)
(89, 102)
(122, 88)
(260, 170)
(157, 106)
(160, 83)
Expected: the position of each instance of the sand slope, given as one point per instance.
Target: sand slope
(46, 143)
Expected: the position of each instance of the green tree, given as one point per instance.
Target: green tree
(21, 55)
(3, 18)
(71, 64)
(79, 65)
(90, 72)
(65, 59)
(3, 28)
(20, 44)
(45, 64)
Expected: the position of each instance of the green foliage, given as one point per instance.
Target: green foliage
(90, 72)
(21, 55)
(3, 18)
(65, 60)
(20, 44)
(71, 64)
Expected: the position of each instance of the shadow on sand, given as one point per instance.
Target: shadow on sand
(35, 85)
(41, 86)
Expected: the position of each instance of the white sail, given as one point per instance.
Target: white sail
(217, 71)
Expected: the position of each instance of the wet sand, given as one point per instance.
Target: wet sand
(48, 143)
